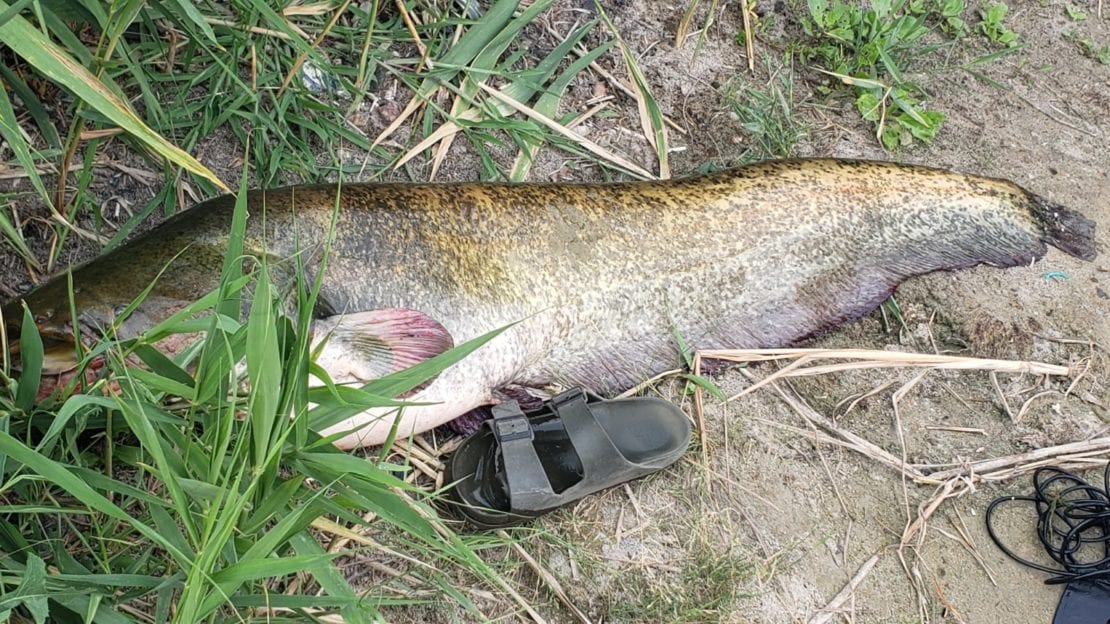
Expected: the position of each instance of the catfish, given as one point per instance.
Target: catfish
(594, 279)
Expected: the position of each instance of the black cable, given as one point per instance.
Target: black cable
(1073, 521)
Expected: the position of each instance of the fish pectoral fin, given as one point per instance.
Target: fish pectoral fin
(372, 344)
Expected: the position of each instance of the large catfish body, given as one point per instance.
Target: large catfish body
(598, 276)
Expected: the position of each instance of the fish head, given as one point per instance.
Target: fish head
(102, 310)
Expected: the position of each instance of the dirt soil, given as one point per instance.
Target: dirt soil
(767, 523)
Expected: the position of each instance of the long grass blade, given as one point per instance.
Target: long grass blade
(60, 476)
(651, 117)
(55, 63)
(616, 160)
(30, 357)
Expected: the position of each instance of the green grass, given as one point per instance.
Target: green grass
(704, 590)
(993, 24)
(876, 49)
(116, 505)
(769, 116)
(1088, 47)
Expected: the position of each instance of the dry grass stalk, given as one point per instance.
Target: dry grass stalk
(215, 21)
(410, 25)
(970, 545)
(445, 134)
(449, 446)
(868, 359)
(142, 176)
(643, 385)
(683, 29)
(895, 400)
(1001, 468)
(432, 451)
(749, 36)
(840, 436)
(828, 471)
(12, 172)
(88, 135)
(412, 451)
(413, 105)
(955, 429)
(316, 8)
(699, 415)
(580, 51)
(1002, 397)
(594, 148)
(866, 395)
(548, 579)
(912, 568)
(836, 605)
(1075, 455)
(913, 538)
(1087, 361)
(1028, 402)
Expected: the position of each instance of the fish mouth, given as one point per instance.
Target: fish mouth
(61, 368)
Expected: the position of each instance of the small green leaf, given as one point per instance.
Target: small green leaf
(1075, 12)
(892, 136)
(32, 591)
(706, 384)
(869, 106)
(817, 10)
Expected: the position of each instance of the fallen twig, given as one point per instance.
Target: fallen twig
(834, 606)
(850, 439)
(1009, 466)
(867, 359)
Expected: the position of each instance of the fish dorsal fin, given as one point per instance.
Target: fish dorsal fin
(367, 345)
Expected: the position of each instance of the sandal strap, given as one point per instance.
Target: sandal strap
(599, 456)
(529, 487)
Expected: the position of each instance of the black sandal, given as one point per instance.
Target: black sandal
(526, 464)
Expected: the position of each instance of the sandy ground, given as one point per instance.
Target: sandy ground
(768, 523)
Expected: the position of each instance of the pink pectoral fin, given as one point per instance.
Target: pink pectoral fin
(375, 343)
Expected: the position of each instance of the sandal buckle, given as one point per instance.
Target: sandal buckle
(509, 423)
(566, 396)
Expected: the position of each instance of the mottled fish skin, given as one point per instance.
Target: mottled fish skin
(600, 276)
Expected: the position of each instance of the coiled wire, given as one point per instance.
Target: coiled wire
(1073, 524)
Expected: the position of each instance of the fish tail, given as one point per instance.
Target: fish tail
(1064, 228)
